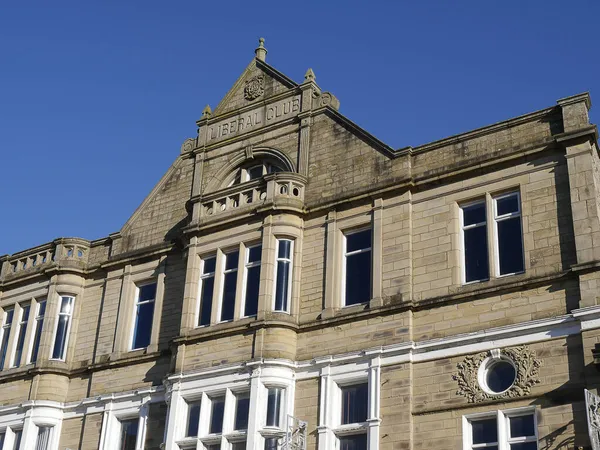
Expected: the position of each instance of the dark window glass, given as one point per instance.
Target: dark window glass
(500, 376)
(274, 406)
(484, 431)
(206, 295)
(147, 292)
(282, 286)
(285, 249)
(355, 406)
(524, 446)
(231, 260)
(17, 439)
(270, 443)
(510, 246)
(474, 214)
(209, 265)
(358, 241)
(273, 169)
(129, 431)
(358, 278)
(2, 436)
(229, 286)
(216, 417)
(193, 420)
(6, 335)
(62, 329)
(240, 445)
(21, 337)
(242, 409)
(143, 325)
(522, 426)
(255, 254)
(38, 330)
(255, 172)
(356, 442)
(476, 254)
(252, 281)
(507, 205)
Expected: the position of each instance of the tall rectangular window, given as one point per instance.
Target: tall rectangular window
(144, 315)
(129, 432)
(242, 409)
(503, 430)
(357, 254)
(63, 327)
(230, 273)
(353, 442)
(22, 330)
(274, 400)
(355, 406)
(216, 415)
(37, 333)
(193, 419)
(18, 434)
(252, 280)
(509, 235)
(43, 438)
(207, 287)
(6, 327)
(283, 274)
(475, 247)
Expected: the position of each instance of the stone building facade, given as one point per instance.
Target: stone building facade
(291, 265)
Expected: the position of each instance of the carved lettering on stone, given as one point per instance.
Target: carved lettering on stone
(255, 87)
(527, 375)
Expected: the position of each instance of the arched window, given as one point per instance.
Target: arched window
(253, 171)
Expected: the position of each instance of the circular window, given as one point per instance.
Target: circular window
(497, 375)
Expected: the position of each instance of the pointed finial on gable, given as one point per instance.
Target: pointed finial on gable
(309, 75)
(206, 113)
(261, 51)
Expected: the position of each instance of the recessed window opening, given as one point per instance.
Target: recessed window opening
(216, 416)
(507, 216)
(22, 327)
(497, 375)
(242, 410)
(63, 328)
(254, 172)
(252, 280)
(6, 327)
(37, 334)
(229, 285)
(355, 403)
(475, 251)
(357, 275)
(207, 286)
(43, 438)
(503, 430)
(274, 400)
(144, 315)
(129, 433)
(193, 419)
(283, 274)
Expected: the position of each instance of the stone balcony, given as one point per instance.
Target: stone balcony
(281, 190)
(69, 253)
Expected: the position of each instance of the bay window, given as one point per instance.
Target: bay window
(63, 328)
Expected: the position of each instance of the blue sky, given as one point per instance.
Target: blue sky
(96, 97)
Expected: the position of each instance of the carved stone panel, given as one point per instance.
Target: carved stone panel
(254, 88)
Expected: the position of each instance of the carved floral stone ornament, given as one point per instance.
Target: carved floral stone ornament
(497, 374)
(255, 87)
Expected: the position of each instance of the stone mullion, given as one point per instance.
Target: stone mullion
(332, 267)
(50, 317)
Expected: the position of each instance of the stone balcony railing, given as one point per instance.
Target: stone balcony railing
(64, 252)
(277, 190)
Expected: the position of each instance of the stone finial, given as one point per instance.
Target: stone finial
(206, 113)
(310, 75)
(261, 51)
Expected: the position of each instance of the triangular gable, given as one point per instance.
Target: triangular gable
(265, 82)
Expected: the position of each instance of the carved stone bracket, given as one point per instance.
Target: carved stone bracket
(527, 375)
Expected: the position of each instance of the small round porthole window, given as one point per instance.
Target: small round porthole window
(497, 375)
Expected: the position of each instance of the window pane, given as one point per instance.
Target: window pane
(510, 246)
(216, 418)
(143, 325)
(255, 172)
(357, 442)
(65, 305)
(285, 249)
(524, 446)
(282, 286)
(231, 260)
(476, 254)
(17, 439)
(254, 254)
(474, 214)
(6, 336)
(129, 429)
(358, 241)
(147, 292)
(42, 438)
(507, 205)
(2, 436)
(61, 337)
(241, 412)
(21, 338)
(500, 376)
(358, 278)
(274, 406)
(238, 445)
(484, 431)
(229, 287)
(193, 419)
(274, 169)
(521, 426)
(355, 403)
(38, 331)
(42, 308)
(271, 444)
(252, 283)
(209, 265)
(206, 296)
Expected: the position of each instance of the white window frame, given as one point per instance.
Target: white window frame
(10, 433)
(7, 356)
(37, 319)
(502, 422)
(464, 228)
(135, 309)
(223, 272)
(17, 333)
(68, 331)
(345, 255)
(290, 260)
(205, 276)
(501, 218)
(248, 265)
(125, 409)
(27, 418)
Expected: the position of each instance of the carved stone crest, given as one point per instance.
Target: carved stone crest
(527, 375)
(255, 87)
